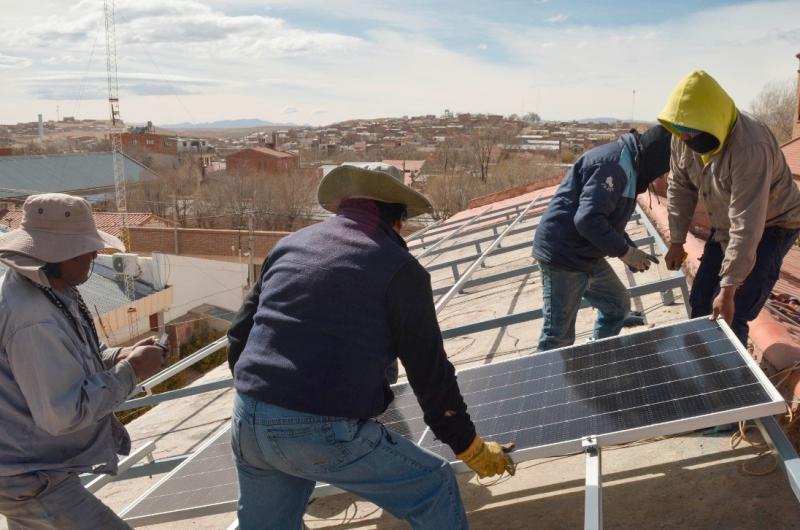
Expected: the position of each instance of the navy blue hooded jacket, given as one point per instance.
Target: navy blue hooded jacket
(585, 221)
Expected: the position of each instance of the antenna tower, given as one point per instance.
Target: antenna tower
(116, 148)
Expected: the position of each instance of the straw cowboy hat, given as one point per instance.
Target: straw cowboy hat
(372, 180)
(56, 227)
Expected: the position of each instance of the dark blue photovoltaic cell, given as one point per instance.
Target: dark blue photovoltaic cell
(665, 374)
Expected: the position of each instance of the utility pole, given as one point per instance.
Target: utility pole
(633, 106)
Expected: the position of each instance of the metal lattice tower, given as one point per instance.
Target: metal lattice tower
(116, 146)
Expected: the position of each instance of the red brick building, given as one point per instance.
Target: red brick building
(148, 141)
(261, 161)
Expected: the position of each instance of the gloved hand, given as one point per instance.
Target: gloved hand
(488, 458)
(637, 260)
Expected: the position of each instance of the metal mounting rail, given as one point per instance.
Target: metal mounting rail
(507, 213)
(442, 302)
(492, 226)
(421, 232)
(147, 385)
(453, 234)
(534, 314)
(144, 451)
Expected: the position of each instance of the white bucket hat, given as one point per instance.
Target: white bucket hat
(371, 180)
(56, 227)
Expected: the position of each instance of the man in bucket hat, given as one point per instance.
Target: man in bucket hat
(58, 383)
(336, 304)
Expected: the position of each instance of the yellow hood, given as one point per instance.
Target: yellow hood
(698, 102)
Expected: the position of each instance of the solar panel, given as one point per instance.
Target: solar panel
(666, 380)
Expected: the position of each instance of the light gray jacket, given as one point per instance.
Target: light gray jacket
(57, 393)
(745, 188)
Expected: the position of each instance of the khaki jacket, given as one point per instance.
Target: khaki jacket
(746, 186)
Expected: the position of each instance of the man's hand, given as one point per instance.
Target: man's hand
(124, 353)
(146, 361)
(637, 260)
(675, 256)
(488, 458)
(724, 305)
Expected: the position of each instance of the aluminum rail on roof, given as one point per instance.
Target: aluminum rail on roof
(662, 247)
(147, 385)
(421, 231)
(499, 212)
(495, 225)
(454, 233)
(126, 463)
(534, 314)
(496, 214)
(442, 302)
(477, 242)
(649, 240)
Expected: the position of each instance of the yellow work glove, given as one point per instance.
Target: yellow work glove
(487, 458)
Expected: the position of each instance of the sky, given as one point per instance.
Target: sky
(323, 61)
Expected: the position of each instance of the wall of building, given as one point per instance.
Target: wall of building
(202, 241)
(156, 143)
(196, 281)
(250, 162)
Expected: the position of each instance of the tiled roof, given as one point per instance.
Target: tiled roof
(25, 175)
(103, 292)
(791, 150)
(110, 222)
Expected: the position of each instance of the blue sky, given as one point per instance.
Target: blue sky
(321, 61)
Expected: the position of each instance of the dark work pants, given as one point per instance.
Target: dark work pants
(752, 294)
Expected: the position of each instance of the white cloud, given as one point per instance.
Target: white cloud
(191, 24)
(10, 61)
(289, 110)
(561, 17)
(224, 56)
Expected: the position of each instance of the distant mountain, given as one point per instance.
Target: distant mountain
(226, 124)
(604, 119)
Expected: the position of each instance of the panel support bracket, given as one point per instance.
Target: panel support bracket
(593, 506)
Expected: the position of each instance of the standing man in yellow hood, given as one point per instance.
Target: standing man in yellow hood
(732, 162)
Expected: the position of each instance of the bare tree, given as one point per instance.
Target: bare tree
(487, 144)
(775, 106)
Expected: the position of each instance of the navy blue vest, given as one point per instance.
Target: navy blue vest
(320, 341)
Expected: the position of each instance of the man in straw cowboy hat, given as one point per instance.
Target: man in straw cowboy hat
(336, 304)
(58, 383)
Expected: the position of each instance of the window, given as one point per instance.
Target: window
(149, 141)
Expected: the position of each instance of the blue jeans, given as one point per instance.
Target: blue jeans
(281, 454)
(563, 290)
(752, 294)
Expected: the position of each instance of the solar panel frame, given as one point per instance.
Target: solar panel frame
(775, 405)
(406, 401)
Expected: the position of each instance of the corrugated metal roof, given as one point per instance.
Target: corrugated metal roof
(26, 175)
